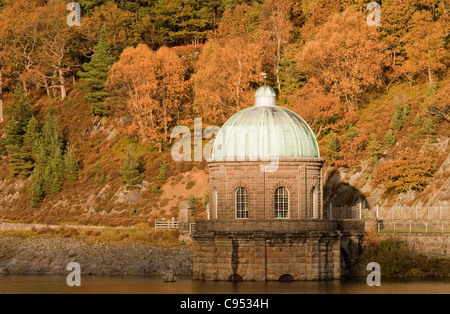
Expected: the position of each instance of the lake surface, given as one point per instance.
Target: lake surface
(154, 285)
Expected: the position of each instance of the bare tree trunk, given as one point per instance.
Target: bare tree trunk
(47, 88)
(62, 86)
(24, 84)
(54, 84)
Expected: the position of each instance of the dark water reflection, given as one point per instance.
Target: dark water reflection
(155, 285)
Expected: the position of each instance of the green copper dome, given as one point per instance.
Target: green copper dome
(265, 131)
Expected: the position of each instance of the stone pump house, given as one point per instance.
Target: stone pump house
(265, 217)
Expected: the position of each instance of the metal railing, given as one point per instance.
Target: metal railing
(422, 226)
(192, 228)
(412, 213)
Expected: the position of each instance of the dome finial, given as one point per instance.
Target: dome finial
(265, 95)
(265, 76)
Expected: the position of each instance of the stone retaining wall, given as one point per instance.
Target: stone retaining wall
(37, 255)
(428, 244)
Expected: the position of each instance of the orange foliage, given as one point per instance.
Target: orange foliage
(228, 67)
(347, 56)
(408, 172)
(319, 109)
(426, 48)
(154, 89)
(274, 34)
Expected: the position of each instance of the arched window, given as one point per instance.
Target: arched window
(281, 203)
(241, 203)
(314, 203)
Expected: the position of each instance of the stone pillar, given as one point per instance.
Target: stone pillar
(370, 221)
(184, 219)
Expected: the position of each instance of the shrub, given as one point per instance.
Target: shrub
(401, 113)
(130, 171)
(162, 176)
(408, 172)
(374, 150)
(190, 184)
(390, 139)
(392, 254)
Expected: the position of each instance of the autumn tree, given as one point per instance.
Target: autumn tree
(426, 46)
(57, 40)
(20, 38)
(395, 16)
(316, 13)
(274, 34)
(346, 56)
(229, 66)
(172, 93)
(154, 89)
(121, 26)
(320, 109)
(95, 74)
(439, 105)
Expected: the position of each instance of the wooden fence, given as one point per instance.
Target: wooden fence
(166, 224)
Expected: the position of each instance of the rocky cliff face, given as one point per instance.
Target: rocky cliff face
(348, 187)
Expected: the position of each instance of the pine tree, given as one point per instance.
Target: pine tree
(36, 193)
(49, 155)
(32, 133)
(397, 116)
(20, 162)
(374, 150)
(390, 139)
(430, 129)
(71, 165)
(130, 172)
(333, 148)
(352, 132)
(417, 119)
(162, 176)
(95, 74)
(20, 113)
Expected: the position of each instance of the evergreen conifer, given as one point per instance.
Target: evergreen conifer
(130, 172)
(95, 74)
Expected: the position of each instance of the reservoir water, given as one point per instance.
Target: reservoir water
(25, 284)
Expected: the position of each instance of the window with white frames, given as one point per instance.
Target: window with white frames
(281, 203)
(241, 203)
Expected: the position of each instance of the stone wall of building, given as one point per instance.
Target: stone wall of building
(301, 177)
(267, 250)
